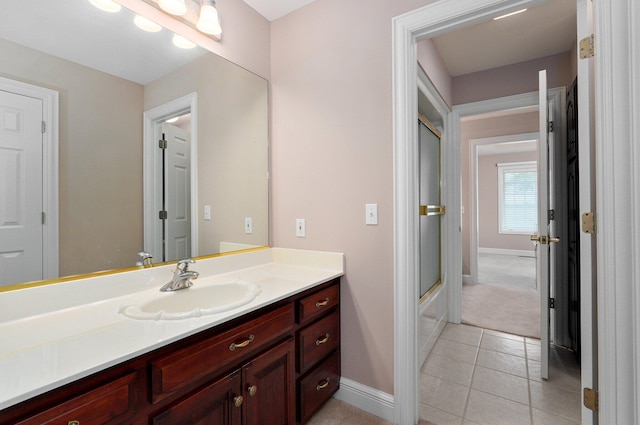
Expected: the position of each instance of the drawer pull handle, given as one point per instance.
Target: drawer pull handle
(242, 344)
(322, 340)
(322, 303)
(252, 390)
(74, 422)
(322, 384)
(237, 400)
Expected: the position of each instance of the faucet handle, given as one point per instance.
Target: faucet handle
(145, 259)
(183, 265)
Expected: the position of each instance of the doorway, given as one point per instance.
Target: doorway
(170, 186)
(28, 183)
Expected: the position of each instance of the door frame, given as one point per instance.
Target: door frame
(408, 29)
(50, 170)
(151, 119)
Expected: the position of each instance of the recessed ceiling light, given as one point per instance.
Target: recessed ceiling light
(509, 14)
(106, 5)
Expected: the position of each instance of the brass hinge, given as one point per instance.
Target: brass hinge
(552, 215)
(44, 216)
(162, 144)
(552, 303)
(586, 47)
(550, 127)
(162, 215)
(43, 127)
(590, 399)
(588, 223)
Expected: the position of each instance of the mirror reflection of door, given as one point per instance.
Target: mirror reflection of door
(21, 216)
(176, 193)
(430, 208)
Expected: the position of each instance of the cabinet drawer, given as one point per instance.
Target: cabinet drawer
(207, 358)
(98, 406)
(318, 386)
(318, 303)
(317, 340)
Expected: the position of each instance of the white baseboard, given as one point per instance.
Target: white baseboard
(517, 252)
(370, 400)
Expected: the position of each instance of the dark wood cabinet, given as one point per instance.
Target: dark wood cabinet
(274, 366)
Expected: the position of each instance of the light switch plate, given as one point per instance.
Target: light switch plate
(248, 225)
(371, 211)
(207, 212)
(301, 228)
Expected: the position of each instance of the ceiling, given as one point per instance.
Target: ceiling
(274, 9)
(544, 30)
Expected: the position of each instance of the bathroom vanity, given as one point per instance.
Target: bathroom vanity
(275, 360)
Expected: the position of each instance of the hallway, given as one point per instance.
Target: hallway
(475, 376)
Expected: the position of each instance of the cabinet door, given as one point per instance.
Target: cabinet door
(269, 385)
(219, 403)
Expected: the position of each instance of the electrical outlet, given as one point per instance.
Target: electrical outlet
(248, 225)
(371, 211)
(301, 229)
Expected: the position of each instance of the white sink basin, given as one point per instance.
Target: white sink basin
(199, 300)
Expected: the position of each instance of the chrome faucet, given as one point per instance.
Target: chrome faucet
(181, 277)
(145, 259)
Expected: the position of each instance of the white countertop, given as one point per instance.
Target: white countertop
(55, 334)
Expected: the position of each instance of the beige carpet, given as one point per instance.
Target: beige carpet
(502, 308)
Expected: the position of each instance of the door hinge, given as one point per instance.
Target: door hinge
(44, 217)
(552, 215)
(162, 215)
(552, 303)
(586, 47)
(590, 399)
(588, 223)
(550, 127)
(162, 144)
(43, 127)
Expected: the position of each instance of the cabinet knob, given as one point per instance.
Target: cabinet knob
(74, 422)
(237, 400)
(252, 390)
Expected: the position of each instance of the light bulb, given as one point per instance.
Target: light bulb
(208, 22)
(175, 7)
(182, 42)
(106, 5)
(145, 24)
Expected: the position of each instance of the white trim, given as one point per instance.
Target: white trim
(370, 400)
(151, 117)
(617, 184)
(50, 169)
(514, 252)
(425, 22)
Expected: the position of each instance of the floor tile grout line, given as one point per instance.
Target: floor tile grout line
(526, 359)
(473, 372)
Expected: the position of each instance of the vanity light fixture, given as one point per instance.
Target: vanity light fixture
(183, 43)
(106, 5)
(146, 24)
(174, 7)
(509, 14)
(208, 21)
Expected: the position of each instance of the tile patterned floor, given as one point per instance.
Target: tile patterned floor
(475, 376)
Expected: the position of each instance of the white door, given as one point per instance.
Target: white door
(177, 193)
(20, 188)
(544, 238)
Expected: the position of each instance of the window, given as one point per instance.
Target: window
(518, 197)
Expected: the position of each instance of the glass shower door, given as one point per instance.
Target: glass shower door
(430, 208)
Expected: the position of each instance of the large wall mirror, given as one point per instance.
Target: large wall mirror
(117, 86)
